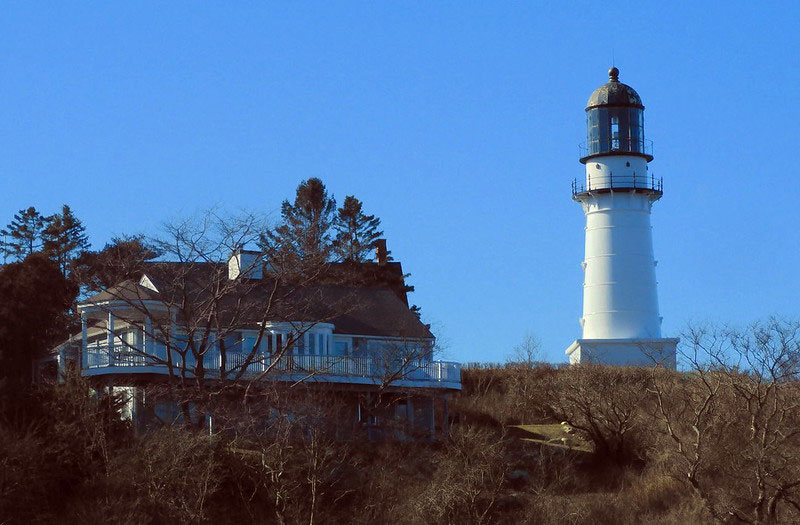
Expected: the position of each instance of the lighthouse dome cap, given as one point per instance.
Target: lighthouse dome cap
(614, 93)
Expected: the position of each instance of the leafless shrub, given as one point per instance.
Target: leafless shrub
(603, 404)
(27, 483)
(733, 421)
(294, 452)
(468, 481)
(719, 442)
(73, 437)
(175, 472)
(527, 353)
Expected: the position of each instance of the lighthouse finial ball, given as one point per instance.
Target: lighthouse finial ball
(613, 74)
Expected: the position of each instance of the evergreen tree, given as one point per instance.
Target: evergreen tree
(34, 314)
(304, 235)
(122, 258)
(64, 238)
(356, 232)
(24, 235)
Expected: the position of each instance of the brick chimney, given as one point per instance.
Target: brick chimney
(381, 255)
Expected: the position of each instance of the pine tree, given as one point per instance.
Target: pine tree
(122, 258)
(64, 238)
(356, 232)
(34, 314)
(24, 235)
(304, 235)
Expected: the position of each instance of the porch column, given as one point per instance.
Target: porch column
(110, 337)
(147, 336)
(62, 365)
(84, 341)
(263, 351)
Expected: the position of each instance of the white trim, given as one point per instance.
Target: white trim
(277, 376)
(147, 283)
(293, 326)
(385, 337)
(98, 306)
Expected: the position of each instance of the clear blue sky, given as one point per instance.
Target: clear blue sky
(456, 123)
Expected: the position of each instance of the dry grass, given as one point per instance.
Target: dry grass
(490, 469)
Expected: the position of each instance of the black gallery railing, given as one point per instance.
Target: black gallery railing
(610, 182)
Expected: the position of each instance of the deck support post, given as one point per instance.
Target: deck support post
(110, 337)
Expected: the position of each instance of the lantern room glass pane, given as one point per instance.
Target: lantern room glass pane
(615, 129)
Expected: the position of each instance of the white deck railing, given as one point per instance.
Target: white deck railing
(103, 357)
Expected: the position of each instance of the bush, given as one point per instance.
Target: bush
(290, 462)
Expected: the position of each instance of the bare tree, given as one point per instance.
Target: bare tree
(291, 441)
(211, 324)
(192, 311)
(734, 420)
(469, 479)
(604, 404)
(527, 353)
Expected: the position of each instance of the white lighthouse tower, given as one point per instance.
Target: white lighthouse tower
(621, 324)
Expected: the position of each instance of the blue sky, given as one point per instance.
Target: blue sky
(457, 123)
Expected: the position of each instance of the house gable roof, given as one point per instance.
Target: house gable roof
(358, 298)
(128, 290)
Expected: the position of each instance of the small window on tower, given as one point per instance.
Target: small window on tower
(627, 164)
(614, 133)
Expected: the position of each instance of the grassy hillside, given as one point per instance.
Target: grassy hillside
(527, 444)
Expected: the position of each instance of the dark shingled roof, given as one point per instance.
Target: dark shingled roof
(127, 291)
(614, 93)
(359, 299)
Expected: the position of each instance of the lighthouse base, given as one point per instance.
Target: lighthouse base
(624, 352)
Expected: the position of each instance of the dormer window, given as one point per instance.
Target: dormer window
(246, 264)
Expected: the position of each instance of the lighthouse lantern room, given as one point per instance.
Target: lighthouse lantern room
(621, 324)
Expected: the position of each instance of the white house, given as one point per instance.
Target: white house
(343, 328)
